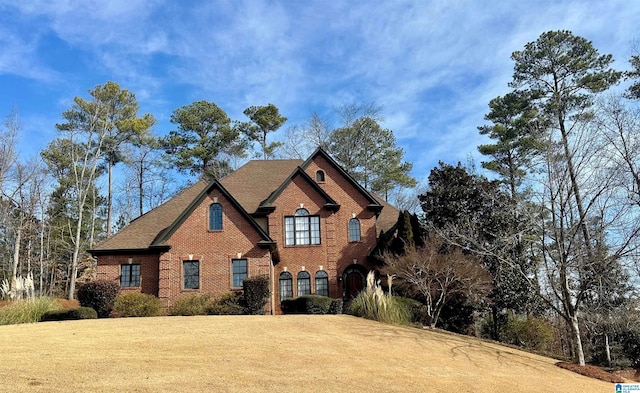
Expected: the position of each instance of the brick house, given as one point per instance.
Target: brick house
(307, 225)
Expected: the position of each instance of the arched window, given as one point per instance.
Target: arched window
(354, 230)
(322, 283)
(286, 286)
(215, 217)
(319, 176)
(304, 283)
(301, 229)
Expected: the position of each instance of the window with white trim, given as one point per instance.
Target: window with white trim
(354, 230)
(301, 229)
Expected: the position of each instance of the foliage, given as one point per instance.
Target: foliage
(263, 120)
(336, 306)
(27, 311)
(373, 303)
(203, 136)
(191, 304)
(438, 273)
(99, 295)
(229, 303)
(529, 332)
(369, 153)
(69, 314)
(418, 311)
(137, 304)
(255, 294)
(307, 304)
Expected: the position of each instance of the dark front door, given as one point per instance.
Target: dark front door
(354, 283)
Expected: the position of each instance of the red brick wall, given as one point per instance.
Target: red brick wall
(335, 253)
(109, 269)
(214, 249)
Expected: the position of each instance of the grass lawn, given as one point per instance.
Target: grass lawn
(295, 353)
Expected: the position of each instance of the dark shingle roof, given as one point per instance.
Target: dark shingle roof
(142, 231)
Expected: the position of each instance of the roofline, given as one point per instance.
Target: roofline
(117, 251)
(339, 168)
(330, 204)
(158, 242)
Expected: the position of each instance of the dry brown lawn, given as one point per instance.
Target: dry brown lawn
(266, 353)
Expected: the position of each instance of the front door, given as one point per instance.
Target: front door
(353, 283)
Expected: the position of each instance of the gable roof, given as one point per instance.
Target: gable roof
(374, 205)
(253, 182)
(330, 203)
(143, 231)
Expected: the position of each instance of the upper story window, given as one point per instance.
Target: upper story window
(285, 285)
(322, 283)
(130, 275)
(320, 176)
(304, 283)
(354, 230)
(301, 229)
(240, 271)
(215, 217)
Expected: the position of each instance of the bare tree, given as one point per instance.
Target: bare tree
(439, 274)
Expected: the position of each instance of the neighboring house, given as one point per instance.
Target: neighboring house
(307, 225)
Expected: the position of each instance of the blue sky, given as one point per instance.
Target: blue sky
(432, 65)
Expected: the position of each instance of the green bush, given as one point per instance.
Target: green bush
(307, 304)
(70, 314)
(256, 294)
(191, 304)
(99, 295)
(230, 303)
(417, 310)
(336, 306)
(373, 304)
(27, 311)
(531, 333)
(137, 304)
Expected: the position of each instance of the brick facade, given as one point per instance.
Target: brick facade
(260, 240)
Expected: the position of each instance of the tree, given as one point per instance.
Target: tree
(369, 153)
(117, 110)
(302, 140)
(438, 273)
(561, 72)
(263, 120)
(204, 133)
(475, 214)
(76, 155)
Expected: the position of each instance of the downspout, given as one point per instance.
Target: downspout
(272, 282)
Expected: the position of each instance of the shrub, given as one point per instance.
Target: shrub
(137, 304)
(531, 333)
(70, 314)
(336, 306)
(256, 294)
(27, 311)
(417, 311)
(191, 304)
(307, 304)
(99, 295)
(229, 303)
(373, 303)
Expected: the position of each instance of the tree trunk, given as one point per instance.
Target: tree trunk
(16, 259)
(607, 349)
(576, 339)
(109, 199)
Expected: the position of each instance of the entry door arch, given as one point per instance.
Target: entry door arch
(353, 282)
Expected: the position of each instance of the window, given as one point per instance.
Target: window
(322, 283)
(286, 285)
(129, 275)
(239, 271)
(304, 283)
(301, 229)
(319, 176)
(354, 230)
(215, 217)
(191, 274)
